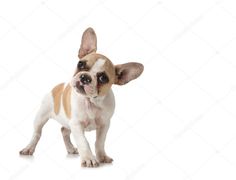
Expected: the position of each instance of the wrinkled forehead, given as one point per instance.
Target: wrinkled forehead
(99, 63)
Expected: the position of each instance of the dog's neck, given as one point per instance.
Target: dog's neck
(93, 101)
(96, 101)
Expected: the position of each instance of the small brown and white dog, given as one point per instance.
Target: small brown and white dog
(86, 103)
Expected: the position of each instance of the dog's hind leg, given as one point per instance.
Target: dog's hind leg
(66, 137)
(40, 120)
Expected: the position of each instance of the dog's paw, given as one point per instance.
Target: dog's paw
(104, 159)
(73, 151)
(89, 162)
(27, 151)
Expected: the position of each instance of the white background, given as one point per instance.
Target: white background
(176, 122)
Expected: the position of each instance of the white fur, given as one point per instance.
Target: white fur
(88, 112)
(86, 115)
(97, 67)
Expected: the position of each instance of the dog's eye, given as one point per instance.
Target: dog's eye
(102, 78)
(81, 65)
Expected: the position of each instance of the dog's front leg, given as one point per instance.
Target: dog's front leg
(87, 158)
(101, 133)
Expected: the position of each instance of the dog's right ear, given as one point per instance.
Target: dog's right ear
(127, 72)
(88, 43)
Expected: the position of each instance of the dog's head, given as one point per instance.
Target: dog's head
(95, 73)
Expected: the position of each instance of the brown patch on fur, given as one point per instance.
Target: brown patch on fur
(56, 94)
(66, 100)
(91, 59)
(108, 69)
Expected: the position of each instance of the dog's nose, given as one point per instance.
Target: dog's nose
(85, 79)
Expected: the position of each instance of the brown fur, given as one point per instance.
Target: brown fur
(108, 68)
(66, 100)
(56, 94)
(110, 71)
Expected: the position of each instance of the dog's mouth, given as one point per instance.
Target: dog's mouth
(80, 88)
(84, 89)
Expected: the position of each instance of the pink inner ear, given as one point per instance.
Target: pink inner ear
(127, 72)
(83, 52)
(88, 43)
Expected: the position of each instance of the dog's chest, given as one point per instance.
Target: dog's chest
(92, 116)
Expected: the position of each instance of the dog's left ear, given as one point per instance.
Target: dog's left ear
(127, 72)
(88, 43)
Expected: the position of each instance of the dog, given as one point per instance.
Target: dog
(85, 103)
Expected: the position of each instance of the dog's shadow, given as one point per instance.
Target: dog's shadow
(27, 158)
(72, 156)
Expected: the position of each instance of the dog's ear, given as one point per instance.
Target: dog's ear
(127, 72)
(88, 43)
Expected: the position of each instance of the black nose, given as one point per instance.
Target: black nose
(85, 79)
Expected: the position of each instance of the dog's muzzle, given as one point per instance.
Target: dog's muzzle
(84, 84)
